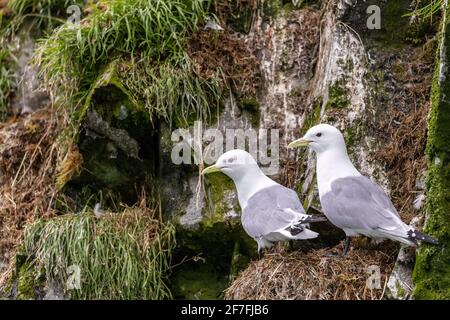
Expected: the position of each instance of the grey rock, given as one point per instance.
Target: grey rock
(120, 137)
(193, 215)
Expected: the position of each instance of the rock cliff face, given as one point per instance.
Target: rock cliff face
(305, 62)
(431, 273)
(323, 64)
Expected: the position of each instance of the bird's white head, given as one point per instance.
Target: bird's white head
(321, 138)
(234, 163)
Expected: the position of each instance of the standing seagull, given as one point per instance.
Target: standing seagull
(351, 201)
(270, 212)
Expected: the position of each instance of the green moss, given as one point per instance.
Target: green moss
(198, 281)
(312, 118)
(396, 28)
(218, 249)
(394, 24)
(401, 293)
(28, 281)
(7, 79)
(250, 105)
(274, 8)
(418, 33)
(239, 261)
(350, 137)
(337, 96)
(271, 8)
(432, 272)
(218, 185)
(120, 146)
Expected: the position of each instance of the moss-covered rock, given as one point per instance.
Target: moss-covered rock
(26, 279)
(432, 270)
(216, 251)
(119, 143)
(220, 193)
(217, 248)
(29, 282)
(272, 7)
(397, 27)
(7, 80)
(338, 96)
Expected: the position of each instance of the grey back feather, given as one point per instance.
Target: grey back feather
(267, 211)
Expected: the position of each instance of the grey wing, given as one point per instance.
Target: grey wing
(378, 194)
(359, 204)
(271, 209)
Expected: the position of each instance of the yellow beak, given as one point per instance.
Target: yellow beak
(211, 169)
(299, 143)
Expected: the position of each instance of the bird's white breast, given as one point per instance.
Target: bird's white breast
(251, 185)
(331, 166)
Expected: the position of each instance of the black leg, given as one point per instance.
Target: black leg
(346, 246)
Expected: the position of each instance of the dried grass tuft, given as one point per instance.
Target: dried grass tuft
(225, 53)
(70, 166)
(404, 127)
(28, 156)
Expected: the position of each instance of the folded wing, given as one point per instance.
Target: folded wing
(275, 212)
(357, 203)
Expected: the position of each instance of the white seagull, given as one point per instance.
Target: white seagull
(270, 211)
(350, 200)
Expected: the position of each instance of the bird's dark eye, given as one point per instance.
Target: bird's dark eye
(230, 160)
(318, 134)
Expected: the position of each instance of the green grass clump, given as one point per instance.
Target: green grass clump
(169, 91)
(46, 15)
(429, 10)
(120, 255)
(147, 38)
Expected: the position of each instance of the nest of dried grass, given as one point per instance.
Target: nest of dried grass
(319, 274)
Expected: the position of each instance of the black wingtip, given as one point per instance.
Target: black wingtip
(415, 236)
(295, 230)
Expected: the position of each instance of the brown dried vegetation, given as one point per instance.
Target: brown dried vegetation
(319, 274)
(404, 127)
(28, 157)
(226, 53)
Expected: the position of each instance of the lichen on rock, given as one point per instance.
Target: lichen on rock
(431, 273)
